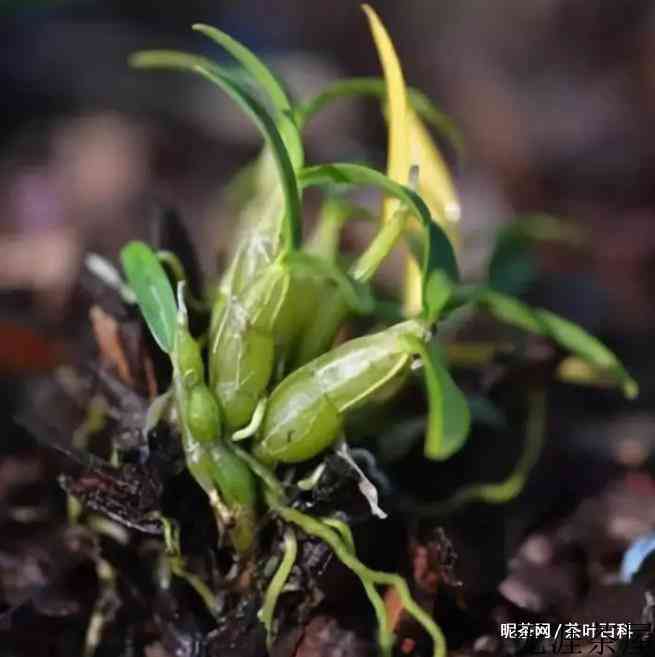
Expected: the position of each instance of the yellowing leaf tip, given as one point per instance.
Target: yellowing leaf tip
(398, 162)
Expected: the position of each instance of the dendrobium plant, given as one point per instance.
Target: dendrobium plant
(268, 385)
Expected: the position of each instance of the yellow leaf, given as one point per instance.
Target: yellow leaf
(436, 187)
(398, 162)
(410, 144)
(435, 184)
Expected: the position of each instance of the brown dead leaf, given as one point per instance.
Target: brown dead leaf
(107, 334)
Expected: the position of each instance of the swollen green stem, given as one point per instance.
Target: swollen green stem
(317, 306)
(242, 348)
(355, 297)
(306, 410)
(225, 478)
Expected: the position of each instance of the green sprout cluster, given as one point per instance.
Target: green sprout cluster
(269, 386)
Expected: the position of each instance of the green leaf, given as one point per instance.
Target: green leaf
(174, 60)
(439, 253)
(377, 88)
(438, 291)
(270, 83)
(568, 335)
(259, 116)
(153, 291)
(449, 417)
(457, 416)
(250, 62)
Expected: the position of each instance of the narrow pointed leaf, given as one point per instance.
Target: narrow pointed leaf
(259, 116)
(280, 153)
(173, 60)
(410, 145)
(153, 292)
(270, 83)
(398, 158)
(250, 62)
(377, 88)
(568, 335)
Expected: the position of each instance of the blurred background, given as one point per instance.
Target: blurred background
(555, 100)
